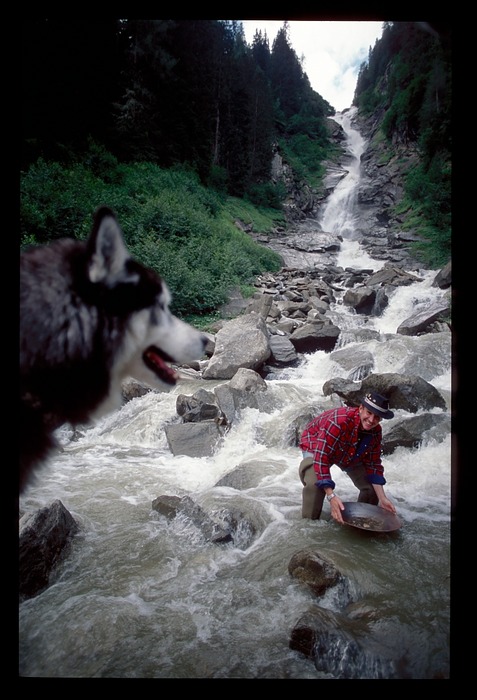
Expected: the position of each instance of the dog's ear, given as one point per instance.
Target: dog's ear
(107, 252)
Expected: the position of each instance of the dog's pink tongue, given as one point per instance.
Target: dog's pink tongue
(155, 362)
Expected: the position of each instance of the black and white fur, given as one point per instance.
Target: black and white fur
(90, 316)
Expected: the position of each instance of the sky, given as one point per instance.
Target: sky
(333, 52)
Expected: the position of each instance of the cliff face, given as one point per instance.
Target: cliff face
(384, 167)
(383, 170)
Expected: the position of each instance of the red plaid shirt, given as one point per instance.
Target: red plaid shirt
(333, 437)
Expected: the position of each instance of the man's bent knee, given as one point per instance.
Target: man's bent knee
(304, 466)
(368, 495)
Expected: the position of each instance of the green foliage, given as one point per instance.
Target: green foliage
(205, 322)
(305, 156)
(261, 219)
(435, 248)
(101, 162)
(370, 101)
(429, 190)
(266, 194)
(407, 82)
(308, 125)
(171, 223)
(57, 201)
(218, 179)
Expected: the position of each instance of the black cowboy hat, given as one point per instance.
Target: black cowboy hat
(377, 404)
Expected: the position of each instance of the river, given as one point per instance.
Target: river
(143, 597)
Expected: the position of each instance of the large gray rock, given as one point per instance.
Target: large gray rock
(282, 350)
(411, 432)
(420, 322)
(228, 525)
(390, 275)
(408, 392)
(229, 401)
(443, 279)
(199, 407)
(249, 474)
(315, 570)
(45, 537)
(244, 390)
(341, 646)
(260, 304)
(315, 241)
(194, 439)
(357, 361)
(405, 391)
(242, 342)
(172, 506)
(362, 299)
(315, 336)
(248, 381)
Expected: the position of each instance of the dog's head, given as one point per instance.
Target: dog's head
(153, 338)
(90, 317)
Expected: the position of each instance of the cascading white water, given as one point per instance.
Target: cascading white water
(143, 597)
(339, 213)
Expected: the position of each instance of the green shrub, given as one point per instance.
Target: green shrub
(171, 223)
(267, 194)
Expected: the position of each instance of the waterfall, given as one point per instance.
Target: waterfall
(339, 213)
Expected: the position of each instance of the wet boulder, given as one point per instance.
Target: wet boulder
(361, 299)
(243, 342)
(411, 432)
(420, 322)
(173, 506)
(200, 406)
(194, 439)
(315, 336)
(316, 571)
(45, 537)
(250, 474)
(283, 351)
(246, 389)
(342, 647)
(443, 279)
(404, 391)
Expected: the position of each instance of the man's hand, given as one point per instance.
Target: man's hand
(386, 504)
(336, 506)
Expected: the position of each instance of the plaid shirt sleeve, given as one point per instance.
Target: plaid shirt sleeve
(320, 437)
(371, 460)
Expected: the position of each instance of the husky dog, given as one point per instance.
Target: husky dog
(90, 316)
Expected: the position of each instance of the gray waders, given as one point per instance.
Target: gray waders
(312, 497)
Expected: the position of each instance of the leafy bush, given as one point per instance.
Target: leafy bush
(57, 201)
(267, 194)
(171, 223)
(305, 156)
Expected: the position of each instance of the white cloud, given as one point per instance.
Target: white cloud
(333, 52)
